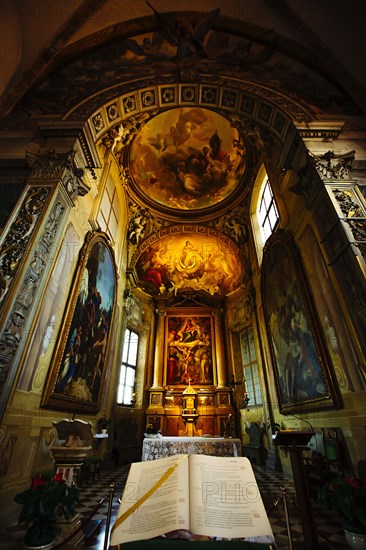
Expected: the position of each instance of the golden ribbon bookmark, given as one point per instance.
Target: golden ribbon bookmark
(148, 494)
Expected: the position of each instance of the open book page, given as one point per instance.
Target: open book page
(166, 509)
(224, 498)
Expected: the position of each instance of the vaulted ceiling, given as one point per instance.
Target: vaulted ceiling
(39, 36)
(188, 97)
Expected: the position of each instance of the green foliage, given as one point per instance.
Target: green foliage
(348, 497)
(46, 500)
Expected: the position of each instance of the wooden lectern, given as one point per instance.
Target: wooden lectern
(295, 442)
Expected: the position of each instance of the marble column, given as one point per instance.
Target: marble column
(219, 348)
(159, 349)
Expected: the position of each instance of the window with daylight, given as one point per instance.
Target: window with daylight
(264, 213)
(128, 368)
(250, 367)
(267, 211)
(109, 211)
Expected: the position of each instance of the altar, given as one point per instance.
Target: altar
(159, 447)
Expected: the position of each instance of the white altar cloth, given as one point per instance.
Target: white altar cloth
(160, 447)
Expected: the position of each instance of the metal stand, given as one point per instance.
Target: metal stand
(275, 503)
(110, 502)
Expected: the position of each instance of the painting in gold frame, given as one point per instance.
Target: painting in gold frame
(76, 375)
(189, 349)
(304, 377)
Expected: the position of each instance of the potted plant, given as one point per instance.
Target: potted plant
(347, 496)
(103, 423)
(44, 503)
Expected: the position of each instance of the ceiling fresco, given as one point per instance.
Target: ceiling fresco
(120, 60)
(187, 158)
(190, 261)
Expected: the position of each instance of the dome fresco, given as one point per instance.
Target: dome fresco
(187, 159)
(190, 261)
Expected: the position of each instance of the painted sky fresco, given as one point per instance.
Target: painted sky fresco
(187, 158)
(190, 261)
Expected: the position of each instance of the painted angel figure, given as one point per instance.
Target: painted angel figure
(180, 33)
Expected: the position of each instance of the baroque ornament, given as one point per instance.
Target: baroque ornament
(332, 166)
(61, 166)
(15, 325)
(18, 236)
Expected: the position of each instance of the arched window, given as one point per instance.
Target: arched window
(264, 211)
(267, 210)
(250, 367)
(128, 368)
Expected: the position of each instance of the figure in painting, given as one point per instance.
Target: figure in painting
(189, 350)
(81, 368)
(189, 263)
(186, 158)
(299, 370)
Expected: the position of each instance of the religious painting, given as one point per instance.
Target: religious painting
(77, 371)
(187, 159)
(304, 378)
(189, 350)
(190, 261)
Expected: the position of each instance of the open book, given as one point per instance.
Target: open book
(206, 495)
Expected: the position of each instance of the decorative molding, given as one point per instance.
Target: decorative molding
(333, 167)
(257, 109)
(18, 234)
(59, 166)
(16, 321)
(252, 99)
(142, 223)
(72, 131)
(234, 225)
(352, 216)
(319, 134)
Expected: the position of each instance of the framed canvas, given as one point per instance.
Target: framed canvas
(79, 363)
(189, 349)
(303, 373)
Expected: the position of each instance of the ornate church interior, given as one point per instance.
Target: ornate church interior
(182, 232)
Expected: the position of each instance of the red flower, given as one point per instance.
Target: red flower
(36, 481)
(355, 483)
(58, 478)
